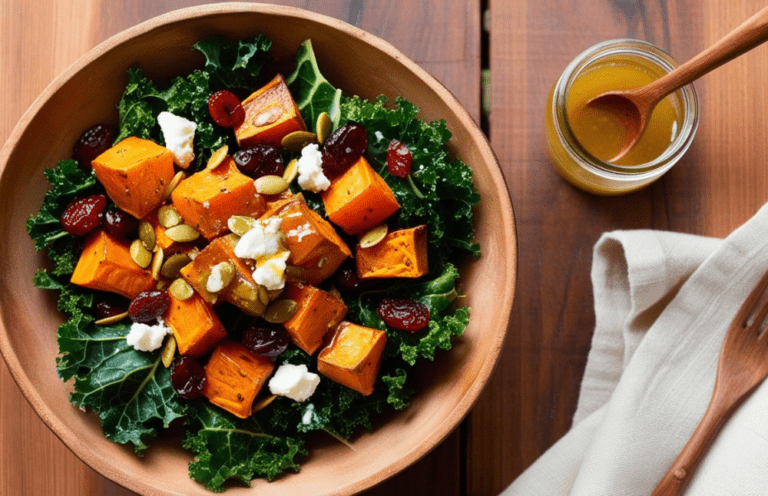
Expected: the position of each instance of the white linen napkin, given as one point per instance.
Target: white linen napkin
(663, 302)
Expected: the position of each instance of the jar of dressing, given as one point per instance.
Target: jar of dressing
(581, 143)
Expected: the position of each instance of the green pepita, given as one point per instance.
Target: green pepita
(174, 264)
(114, 319)
(297, 140)
(157, 263)
(263, 295)
(324, 127)
(181, 289)
(270, 185)
(217, 157)
(147, 235)
(180, 176)
(140, 254)
(263, 403)
(374, 236)
(182, 233)
(240, 224)
(291, 171)
(281, 311)
(169, 351)
(168, 216)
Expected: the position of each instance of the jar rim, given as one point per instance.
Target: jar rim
(609, 170)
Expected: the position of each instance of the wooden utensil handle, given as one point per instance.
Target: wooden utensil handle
(751, 33)
(679, 474)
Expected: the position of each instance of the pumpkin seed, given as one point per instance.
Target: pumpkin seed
(274, 294)
(180, 176)
(114, 319)
(168, 352)
(181, 289)
(157, 264)
(240, 224)
(147, 235)
(323, 128)
(263, 403)
(217, 157)
(174, 264)
(294, 274)
(374, 236)
(140, 254)
(168, 216)
(263, 295)
(224, 272)
(270, 185)
(161, 284)
(182, 233)
(291, 171)
(246, 292)
(280, 311)
(297, 140)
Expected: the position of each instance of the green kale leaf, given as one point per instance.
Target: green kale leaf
(227, 447)
(234, 65)
(311, 91)
(130, 390)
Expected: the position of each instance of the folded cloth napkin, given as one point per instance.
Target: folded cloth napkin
(663, 302)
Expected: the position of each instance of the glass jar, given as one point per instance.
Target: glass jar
(580, 167)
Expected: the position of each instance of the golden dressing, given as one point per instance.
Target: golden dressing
(598, 130)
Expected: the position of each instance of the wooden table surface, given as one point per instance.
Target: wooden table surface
(528, 403)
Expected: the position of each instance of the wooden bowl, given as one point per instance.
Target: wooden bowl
(359, 63)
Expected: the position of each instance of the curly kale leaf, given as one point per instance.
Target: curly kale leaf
(234, 65)
(226, 447)
(130, 390)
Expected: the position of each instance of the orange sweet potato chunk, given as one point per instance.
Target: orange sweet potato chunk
(314, 244)
(106, 265)
(207, 199)
(359, 199)
(402, 253)
(270, 114)
(241, 292)
(234, 376)
(353, 356)
(318, 312)
(135, 173)
(195, 325)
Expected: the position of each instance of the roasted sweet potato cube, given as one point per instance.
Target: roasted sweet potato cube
(353, 356)
(270, 114)
(106, 265)
(402, 253)
(207, 199)
(195, 325)
(135, 173)
(234, 376)
(314, 244)
(242, 292)
(318, 312)
(359, 199)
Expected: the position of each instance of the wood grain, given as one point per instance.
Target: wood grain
(40, 42)
(720, 183)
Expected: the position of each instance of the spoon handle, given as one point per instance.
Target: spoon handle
(751, 33)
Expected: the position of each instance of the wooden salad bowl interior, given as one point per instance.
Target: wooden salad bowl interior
(359, 63)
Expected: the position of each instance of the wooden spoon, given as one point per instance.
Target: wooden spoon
(742, 366)
(632, 107)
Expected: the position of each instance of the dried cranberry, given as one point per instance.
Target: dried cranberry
(266, 339)
(92, 143)
(83, 215)
(148, 306)
(110, 304)
(225, 109)
(343, 148)
(399, 159)
(187, 377)
(404, 314)
(119, 224)
(260, 160)
(347, 281)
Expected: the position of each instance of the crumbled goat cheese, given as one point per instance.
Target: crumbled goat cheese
(179, 133)
(144, 337)
(306, 419)
(215, 282)
(379, 136)
(310, 167)
(270, 273)
(264, 239)
(294, 381)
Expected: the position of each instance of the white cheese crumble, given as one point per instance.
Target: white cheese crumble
(310, 167)
(215, 282)
(271, 272)
(264, 239)
(144, 337)
(178, 133)
(306, 419)
(379, 136)
(294, 381)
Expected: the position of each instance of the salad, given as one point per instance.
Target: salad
(258, 256)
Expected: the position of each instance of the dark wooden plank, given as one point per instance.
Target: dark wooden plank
(441, 36)
(718, 185)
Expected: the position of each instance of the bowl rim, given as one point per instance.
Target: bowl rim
(506, 223)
